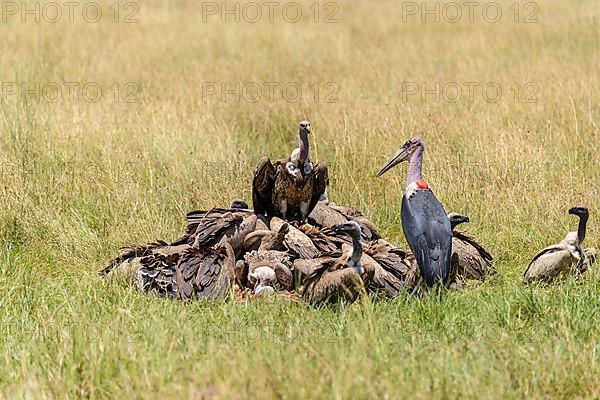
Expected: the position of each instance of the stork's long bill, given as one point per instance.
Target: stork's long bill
(411, 150)
(402, 154)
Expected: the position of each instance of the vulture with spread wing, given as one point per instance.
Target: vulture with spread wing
(289, 188)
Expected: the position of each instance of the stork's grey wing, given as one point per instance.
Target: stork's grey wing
(262, 186)
(430, 237)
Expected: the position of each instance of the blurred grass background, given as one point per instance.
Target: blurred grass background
(80, 179)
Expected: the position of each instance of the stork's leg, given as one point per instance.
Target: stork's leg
(304, 211)
(283, 208)
(417, 287)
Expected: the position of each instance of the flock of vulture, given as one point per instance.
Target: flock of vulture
(297, 243)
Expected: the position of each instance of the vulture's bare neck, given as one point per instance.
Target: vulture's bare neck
(581, 228)
(304, 146)
(356, 249)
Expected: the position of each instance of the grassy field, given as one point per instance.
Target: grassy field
(88, 173)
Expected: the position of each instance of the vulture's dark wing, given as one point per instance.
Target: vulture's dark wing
(205, 273)
(472, 260)
(296, 242)
(330, 283)
(328, 215)
(394, 269)
(262, 186)
(486, 255)
(325, 216)
(546, 269)
(214, 227)
(284, 275)
(326, 240)
(320, 179)
(157, 274)
(125, 253)
(210, 223)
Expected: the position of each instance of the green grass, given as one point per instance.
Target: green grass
(80, 179)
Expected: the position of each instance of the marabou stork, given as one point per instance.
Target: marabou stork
(424, 221)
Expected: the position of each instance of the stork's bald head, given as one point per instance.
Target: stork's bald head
(404, 153)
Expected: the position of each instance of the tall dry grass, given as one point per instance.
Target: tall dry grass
(80, 178)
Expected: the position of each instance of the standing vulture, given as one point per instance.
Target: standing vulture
(562, 258)
(289, 188)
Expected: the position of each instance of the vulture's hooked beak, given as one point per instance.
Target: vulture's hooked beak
(350, 228)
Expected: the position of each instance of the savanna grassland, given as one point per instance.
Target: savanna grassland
(80, 178)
